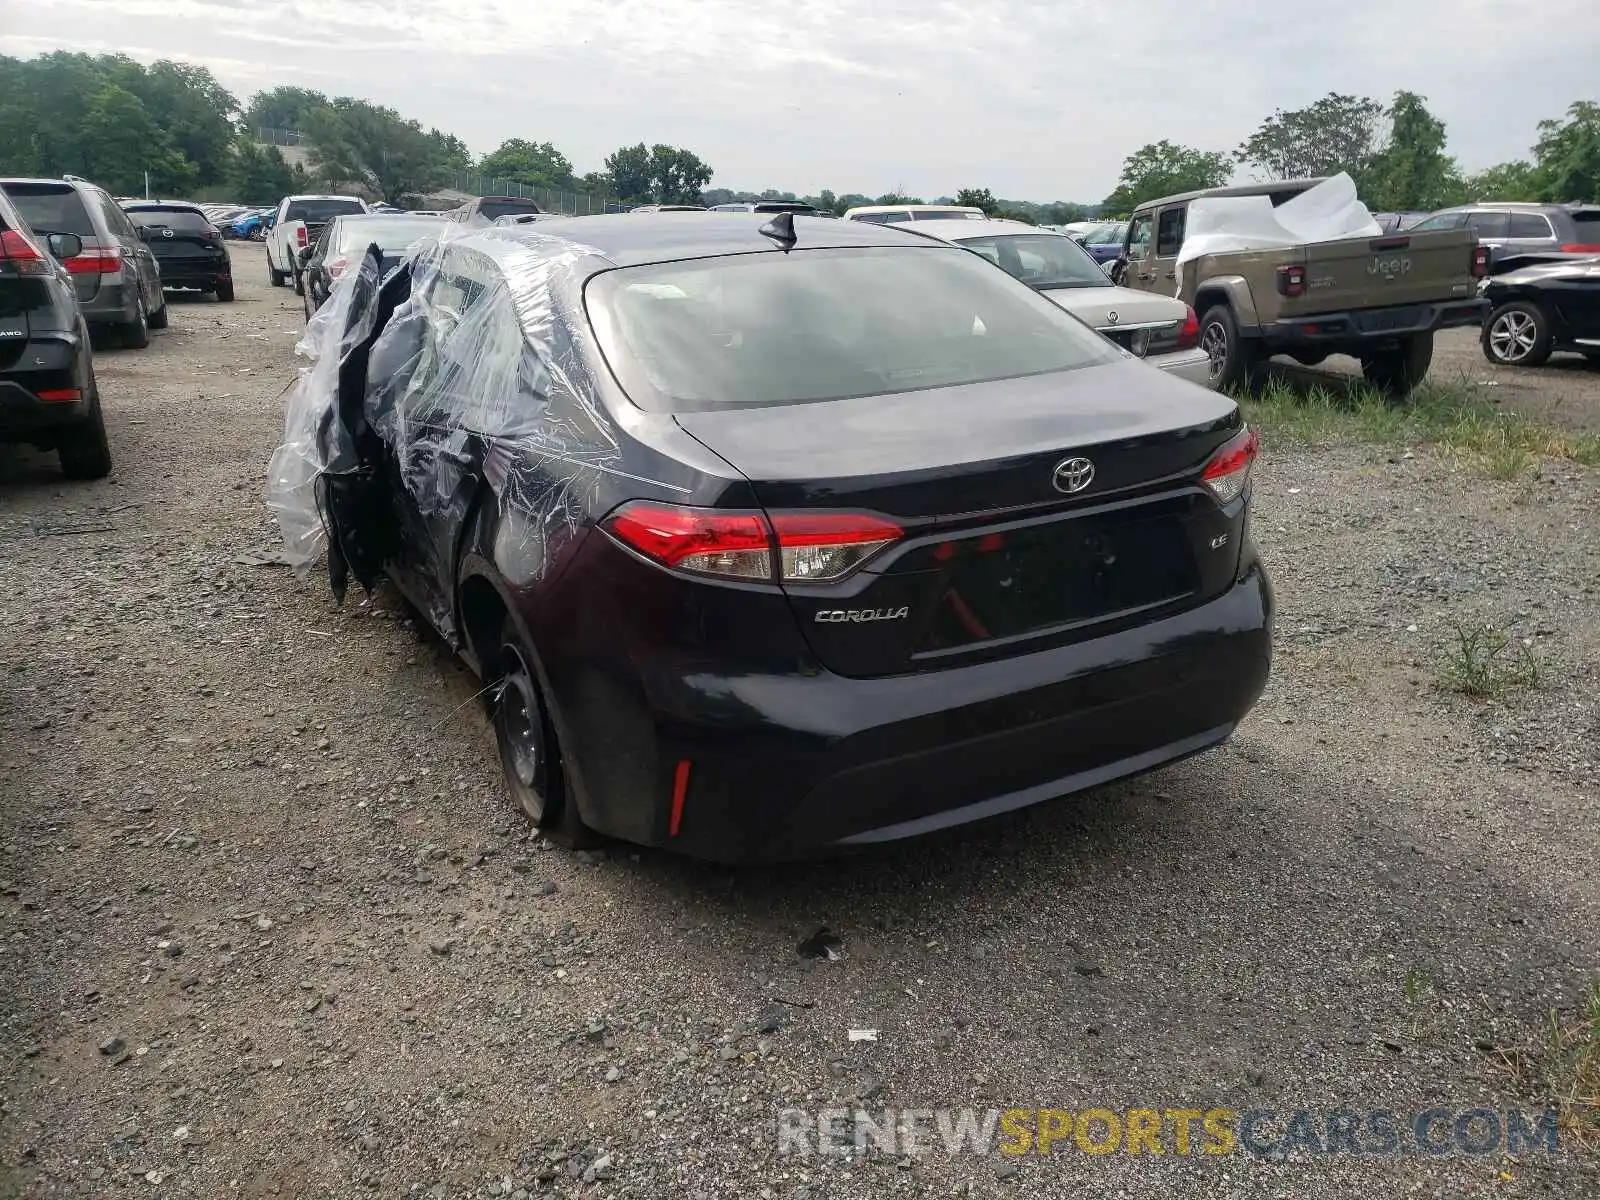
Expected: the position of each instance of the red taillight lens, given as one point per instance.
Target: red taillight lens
(336, 267)
(814, 547)
(1480, 261)
(22, 257)
(1581, 248)
(1189, 335)
(96, 260)
(300, 236)
(59, 395)
(1292, 280)
(1228, 472)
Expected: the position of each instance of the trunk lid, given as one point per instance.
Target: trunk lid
(1385, 272)
(995, 556)
(1128, 318)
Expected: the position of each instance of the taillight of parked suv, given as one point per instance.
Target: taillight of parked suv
(19, 256)
(95, 260)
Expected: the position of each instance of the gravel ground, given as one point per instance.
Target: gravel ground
(271, 930)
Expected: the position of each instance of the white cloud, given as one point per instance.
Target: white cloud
(1030, 98)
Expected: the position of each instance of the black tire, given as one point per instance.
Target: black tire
(299, 283)
(159, 318)
(276, 277)
(85, 453)
(1401, 368)
(1235, 361)
(1517, 334)
(530, 756)
(225, 292)
(136, 334)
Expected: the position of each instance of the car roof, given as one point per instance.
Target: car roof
(960, 231)
(630, 239)
(1243, 189)
(309, 196)
(11, 180)
(879, 208)
(165, 205)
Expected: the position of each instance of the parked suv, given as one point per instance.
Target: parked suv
(187, 246)
(1518, 234)
(115, 273)
(47, 389)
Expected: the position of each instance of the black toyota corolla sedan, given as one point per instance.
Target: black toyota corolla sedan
(781, 535)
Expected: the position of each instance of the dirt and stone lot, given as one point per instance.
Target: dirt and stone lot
(269, 928)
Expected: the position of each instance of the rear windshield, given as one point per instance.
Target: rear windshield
(389, 233)
(944, 214)
(763, 329)
(1105, 236)
(500, 208)
(320, 212)
(1040, 259)
(51, 208)
(1587, 220)
(179, 220)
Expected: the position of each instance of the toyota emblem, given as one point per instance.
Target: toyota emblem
(1113, 317)
(1072, 475)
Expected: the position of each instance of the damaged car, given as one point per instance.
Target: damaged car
(779, 535)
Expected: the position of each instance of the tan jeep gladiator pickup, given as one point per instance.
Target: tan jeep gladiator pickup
(1378, 299)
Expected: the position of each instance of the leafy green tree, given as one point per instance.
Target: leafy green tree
(629, 169)
(195, 111)
(1412, 172)
(282, 108)
(259, 174)
(355, 142)
(897, 197)
(1163, 169)
(660, 174)
(1337, 133)
(1516, 180)
(537, 164)
(1568, 155)
(851, 200)
(978, 198)
(120, 142)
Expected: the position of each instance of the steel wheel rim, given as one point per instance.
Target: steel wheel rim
(1512, 336)
(519, 723)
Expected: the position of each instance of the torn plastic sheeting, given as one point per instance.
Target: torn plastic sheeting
(1324, 213)
(477, 374)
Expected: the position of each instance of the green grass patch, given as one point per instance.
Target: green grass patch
(1452, 416)
(1485, 663)
(1562, 1068)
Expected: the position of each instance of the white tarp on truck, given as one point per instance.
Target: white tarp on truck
(1324, 213)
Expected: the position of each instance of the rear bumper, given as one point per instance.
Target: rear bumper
(786, 765)
(26, 418)
(1372, 325)
(112, 304)
(204, 276)
(1193, 365)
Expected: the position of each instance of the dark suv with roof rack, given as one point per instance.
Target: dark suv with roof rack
(47, 388)
(115, 273)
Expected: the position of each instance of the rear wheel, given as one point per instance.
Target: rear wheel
(136, 334)
(529, 754)
(158, 319)
(225, 290)
(1401, 368)
(299, 283)
(85, 453)
(1517, 335)
(275, 276)
(1234, 361)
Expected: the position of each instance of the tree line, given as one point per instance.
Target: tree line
(1396, 153)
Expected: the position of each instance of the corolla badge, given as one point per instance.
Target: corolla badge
(859, 616)
(1073, 475)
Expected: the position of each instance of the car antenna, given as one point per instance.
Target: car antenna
(781, 230)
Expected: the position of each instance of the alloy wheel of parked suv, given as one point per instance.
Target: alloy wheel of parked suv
(1517, 335)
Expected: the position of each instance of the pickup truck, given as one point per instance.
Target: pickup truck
(1379, 299)
(300, 219)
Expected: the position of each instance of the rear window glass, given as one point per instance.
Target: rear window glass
(499, 208)
(390, 233)
(51, 208)
(179, 220)
(1586, 219)
(882, 218)
(763, 329)
(319, 212)
(1040, 259)
(944, 215)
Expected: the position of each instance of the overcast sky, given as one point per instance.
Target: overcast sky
(1034, 99)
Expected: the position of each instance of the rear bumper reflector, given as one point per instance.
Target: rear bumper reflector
(680, 788)
(60, 395)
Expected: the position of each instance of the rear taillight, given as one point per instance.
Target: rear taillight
(1480, 262)
(1292, 280)
(336, 267)
(96, 260)
(791, 547)
(1228, 472)
(300, 236)
(1581, 248)
(20, 256)
(1189, 335)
